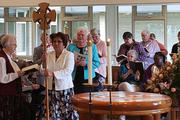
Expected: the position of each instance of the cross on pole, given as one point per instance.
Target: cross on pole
(44, 16)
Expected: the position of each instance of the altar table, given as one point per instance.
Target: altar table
(147, 105)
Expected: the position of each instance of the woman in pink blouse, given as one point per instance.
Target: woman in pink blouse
(102, 53)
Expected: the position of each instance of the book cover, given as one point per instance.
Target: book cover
(79, 57)
(121, 58)
(31, 68)
(137, 65)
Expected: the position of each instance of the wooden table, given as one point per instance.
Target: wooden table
(147, 105)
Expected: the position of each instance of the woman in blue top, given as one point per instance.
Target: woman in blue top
(80, 73)
(130, 80)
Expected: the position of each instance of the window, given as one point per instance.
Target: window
(19, 12)
(1, 21)
(124, 22)
(173, 26)
(149, 10)
(23, 33)
(155, 26)
(99, 14)
(76, 11)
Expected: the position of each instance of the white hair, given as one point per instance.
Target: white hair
(6, 40)
(95, 31)
(133, 53)
(82, 29)
(146, 31)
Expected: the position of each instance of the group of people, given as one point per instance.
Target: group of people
(149, 51)
(65, 74)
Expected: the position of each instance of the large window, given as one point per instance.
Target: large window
(163, 20)
(124, 22)
(23, 33)
(1, 20)
(155, 26)
(173, 26)
(99, 15)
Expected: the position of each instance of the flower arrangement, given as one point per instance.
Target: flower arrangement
(165, 81)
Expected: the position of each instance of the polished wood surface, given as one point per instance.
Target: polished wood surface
(123, 103)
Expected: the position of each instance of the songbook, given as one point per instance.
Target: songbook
(79, 57)
(121, 58)
(137, 65)
(31, 68)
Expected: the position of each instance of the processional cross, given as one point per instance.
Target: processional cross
(44, 16)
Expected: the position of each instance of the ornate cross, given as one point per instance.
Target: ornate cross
(44, 16)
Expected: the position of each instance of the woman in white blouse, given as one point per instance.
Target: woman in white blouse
(60, 64)
(10, 82)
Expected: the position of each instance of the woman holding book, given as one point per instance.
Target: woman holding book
(60, 64)
(10, 82)
(80, 73)
(130, 44)
(129, 79)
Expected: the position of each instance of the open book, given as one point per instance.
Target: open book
(30, 68)
(121, 58)
(79, 57)
(137, 65)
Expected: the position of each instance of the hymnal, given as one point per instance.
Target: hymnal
(32, 68)
(137, 65)
(121, 58)
(79, 57)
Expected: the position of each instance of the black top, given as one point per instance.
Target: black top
(175, 48)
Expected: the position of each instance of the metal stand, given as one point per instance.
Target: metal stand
(110, 101)
(90, 99)
(90, 103)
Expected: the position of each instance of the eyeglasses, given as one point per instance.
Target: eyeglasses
(59, 41)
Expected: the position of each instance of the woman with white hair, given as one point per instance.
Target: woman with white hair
(10, 83)
(102, 53)
(130, 80)
(80, 72)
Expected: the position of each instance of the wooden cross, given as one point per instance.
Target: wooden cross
(44, 16)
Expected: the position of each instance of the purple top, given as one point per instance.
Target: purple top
(135, 46)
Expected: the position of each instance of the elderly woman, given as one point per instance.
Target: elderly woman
(80, 73)
(102, 53)
(130, 80)
(10, 83)
(60, 64)
(150, 46)
(131, 44)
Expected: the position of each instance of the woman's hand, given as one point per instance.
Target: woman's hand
(83, 63)
(35, 86)
(137, 76)
(20, 73)
(130, 71)
(48, 73)
(77, 63)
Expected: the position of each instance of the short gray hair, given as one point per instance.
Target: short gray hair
(83, 29)
(95, 31)
(146, 31)
(134, 53)
(6, 40)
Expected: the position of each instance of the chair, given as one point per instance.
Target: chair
(174, 111)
